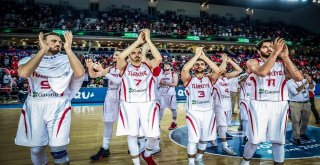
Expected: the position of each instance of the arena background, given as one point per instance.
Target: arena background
(102, 26)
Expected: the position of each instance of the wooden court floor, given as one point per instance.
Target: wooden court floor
(86, 138)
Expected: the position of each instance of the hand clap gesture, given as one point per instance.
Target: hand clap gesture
(68, 40)
(278, 45)
(42, 43)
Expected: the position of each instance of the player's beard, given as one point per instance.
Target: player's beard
(199, 71)
(54, 50)
(266, 55)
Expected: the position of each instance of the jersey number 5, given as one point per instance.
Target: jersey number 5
(45, 85)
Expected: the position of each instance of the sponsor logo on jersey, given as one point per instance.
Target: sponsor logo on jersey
(199, 102)
(37, 94)
(131, 90)
(264, 91)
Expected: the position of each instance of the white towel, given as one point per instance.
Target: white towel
(58, 70)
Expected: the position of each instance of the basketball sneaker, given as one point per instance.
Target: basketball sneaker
(149, 159)
(173, 126)
(102, 153)
(229, 151)
(156, 151)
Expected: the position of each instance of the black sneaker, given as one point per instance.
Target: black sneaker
(102, 153)
(297, 141)
(304, 137)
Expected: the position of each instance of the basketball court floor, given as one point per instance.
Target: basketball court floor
(86, 139)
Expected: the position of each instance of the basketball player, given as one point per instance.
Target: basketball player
(111, 103)
(200, 116)
(168, 99)
(223, 107)
(54, 79)
(269, 98)
(138, 107)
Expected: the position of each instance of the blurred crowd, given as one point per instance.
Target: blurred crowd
(63, 16)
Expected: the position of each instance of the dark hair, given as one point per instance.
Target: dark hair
(50, 33)
(201, 60)
(259, 44)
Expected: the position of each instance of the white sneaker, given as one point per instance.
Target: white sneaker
(155, 151)
(243, 162)
(191, 164)
(229, 151)
(214, 143)
(200, 162)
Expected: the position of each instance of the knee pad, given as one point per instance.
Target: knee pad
(60, 154)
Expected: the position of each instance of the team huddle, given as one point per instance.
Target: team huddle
(139, 91)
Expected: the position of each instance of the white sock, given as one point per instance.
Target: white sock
(136, 161)
(107, 134)
(278, 152)
(191, 160)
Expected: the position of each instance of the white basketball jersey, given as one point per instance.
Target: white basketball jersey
(138, 84)
(39, 88)
(167, 90)
(272, 87)
(199, 94)
(222, 93)
(113, 89)
(245, 89)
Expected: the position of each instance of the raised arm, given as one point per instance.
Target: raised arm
(237, 70)
(75, 63)
(292, 70)
(213, 66)
(27, 69)
(121, 60)
(263, 70)
(185, 75)
(154, 51)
